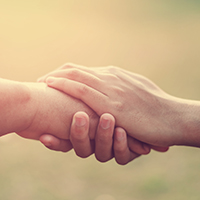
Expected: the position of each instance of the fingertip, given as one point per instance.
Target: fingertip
(121, 161)
(165, 149)
(41, 79)
(50, 80)
(160, 149)
(45, 140)
(102, 159)
(106, 121)
(49, 140)
(146, 149)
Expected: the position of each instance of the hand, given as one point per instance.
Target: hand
(109, 141)
(138, 105)
(51, 112)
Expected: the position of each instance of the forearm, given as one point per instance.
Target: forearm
(14, 100)
(54, 112)
(189, 114)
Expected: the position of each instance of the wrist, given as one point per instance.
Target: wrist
(28, 105)
(14, 106)
(33, 108)
(191, 123)
(185, 122)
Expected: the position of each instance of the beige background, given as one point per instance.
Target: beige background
(159, 39)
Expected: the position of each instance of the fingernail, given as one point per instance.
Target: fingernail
(120, 135)
(50, 80)
(80, 121)
(105, 123)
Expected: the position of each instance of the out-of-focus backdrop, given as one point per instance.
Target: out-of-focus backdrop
(158, 39)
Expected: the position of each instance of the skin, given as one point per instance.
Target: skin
(60, 122)
(140, 107)
(24, 110)
(110, 141)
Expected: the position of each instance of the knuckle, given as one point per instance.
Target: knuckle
(119, 91)
(68, 65)
(112, 77)
(62, 83)
(105, 139)
(82, 89)
(112, 73)
(78, 136)
(119, 106)
(112, 68)
(73, 72)
(120, 150)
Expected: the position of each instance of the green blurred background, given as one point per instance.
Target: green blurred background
(158, 39)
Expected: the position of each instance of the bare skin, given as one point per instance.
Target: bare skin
(110, 141)
(35, 111)
(139, 106)
(32, 109)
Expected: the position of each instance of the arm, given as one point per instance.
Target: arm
(35, 111)
(16, 114)
(32, 109)
(139, 106)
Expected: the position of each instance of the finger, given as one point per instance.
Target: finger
(86, 76)
(60, 72)
(83, 92)
(160, 149)
(137, 146)
(54, 143)
(44, 77)
(79, 135)
(122, 153)
(104, 138)
(75, 66)
(63, 67)
(80, 76)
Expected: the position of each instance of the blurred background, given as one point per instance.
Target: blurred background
(158, 39)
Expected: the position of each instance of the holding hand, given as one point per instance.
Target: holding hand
(109, 141)
(138, 105)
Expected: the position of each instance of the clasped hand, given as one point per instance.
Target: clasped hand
(134, 105)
